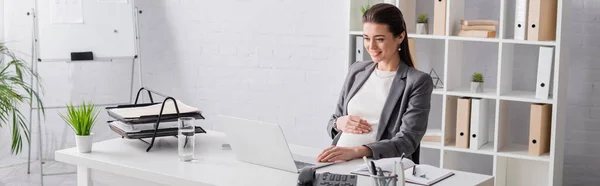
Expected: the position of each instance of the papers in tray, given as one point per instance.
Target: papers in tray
(129, 129)
(426, 174)
(386, 164)
(136, 112)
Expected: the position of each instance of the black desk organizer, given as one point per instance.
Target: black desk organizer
(152, 119)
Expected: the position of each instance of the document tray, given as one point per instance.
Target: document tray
(150, 133)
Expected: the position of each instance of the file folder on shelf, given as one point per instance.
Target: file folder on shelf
(439, 17)
(463, 119)
(542, 20)
(544, 72)
(521, 19)
(479, 125)
(359, 49)
(409, 8)
(539, 129)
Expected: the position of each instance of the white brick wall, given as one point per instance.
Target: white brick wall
(282, 61)
(277, 61)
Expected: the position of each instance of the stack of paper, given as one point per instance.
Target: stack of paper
(482, 28)
(129, 129)
(135, 112)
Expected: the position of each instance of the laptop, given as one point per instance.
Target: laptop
(263, 144)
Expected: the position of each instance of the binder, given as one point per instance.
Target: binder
(463, 119)
(542, 20)
(439, 17)
(539, 129)
(361, 52)
(520, 19)
(412, 46)
(544, 72)
(479, 126)
(409, 8)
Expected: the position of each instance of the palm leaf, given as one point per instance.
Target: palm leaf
(14, 91)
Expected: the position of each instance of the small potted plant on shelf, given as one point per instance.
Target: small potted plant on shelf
(477, 83)
(364, 8)
(422, 24)
(81, 119)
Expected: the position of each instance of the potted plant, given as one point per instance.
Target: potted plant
(16, 90)
(477, 83)
(422, 24)
(364, 8)
(81, 119)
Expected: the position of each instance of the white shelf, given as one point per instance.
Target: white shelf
(431, 145)
(487, 149)
(358, 33)
(466, 92)
(425, 36)
(438, 91)
(527, 42)
(524, 96)
(476, 39)
(521, 152)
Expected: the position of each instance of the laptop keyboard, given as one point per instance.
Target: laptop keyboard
(301, 165)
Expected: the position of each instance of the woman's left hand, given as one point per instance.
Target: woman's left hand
(335, 153)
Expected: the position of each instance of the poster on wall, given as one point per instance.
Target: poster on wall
(66, 12)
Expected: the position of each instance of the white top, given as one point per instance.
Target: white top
(120, 158)
(367, 103)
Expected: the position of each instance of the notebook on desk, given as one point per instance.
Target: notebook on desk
(426, 174)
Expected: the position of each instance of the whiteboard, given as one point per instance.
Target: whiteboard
(108, 30)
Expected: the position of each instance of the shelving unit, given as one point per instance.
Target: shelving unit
(509, 67)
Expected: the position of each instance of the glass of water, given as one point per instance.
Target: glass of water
(186, 138)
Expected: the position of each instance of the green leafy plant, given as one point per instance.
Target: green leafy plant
(364, 8)
(14, 91)
(422, 18)
(477, 77)
(81, 119)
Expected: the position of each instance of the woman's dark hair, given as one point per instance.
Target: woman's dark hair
(390, 15)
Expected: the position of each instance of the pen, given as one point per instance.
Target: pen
(380, 174)
(373, 169)
(414, 170)
(402, 157)
(394, 169)
(367, 164)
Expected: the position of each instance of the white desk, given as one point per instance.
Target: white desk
(126, 162)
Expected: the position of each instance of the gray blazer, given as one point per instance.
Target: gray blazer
(405, 113)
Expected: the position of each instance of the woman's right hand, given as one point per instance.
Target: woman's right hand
(353, 124)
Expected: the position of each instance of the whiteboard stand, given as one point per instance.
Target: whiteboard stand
(35, 59)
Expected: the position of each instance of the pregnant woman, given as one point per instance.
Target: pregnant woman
(384, 104)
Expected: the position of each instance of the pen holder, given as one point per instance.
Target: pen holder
(384, 180)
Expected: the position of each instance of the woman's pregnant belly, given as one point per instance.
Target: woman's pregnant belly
(351, 139)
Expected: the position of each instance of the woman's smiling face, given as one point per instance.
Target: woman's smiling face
(380, 42)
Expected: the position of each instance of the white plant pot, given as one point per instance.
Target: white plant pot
(422, 28)
(476, 87)
(84, 143)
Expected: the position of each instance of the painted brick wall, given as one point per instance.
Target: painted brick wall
(278, 61)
